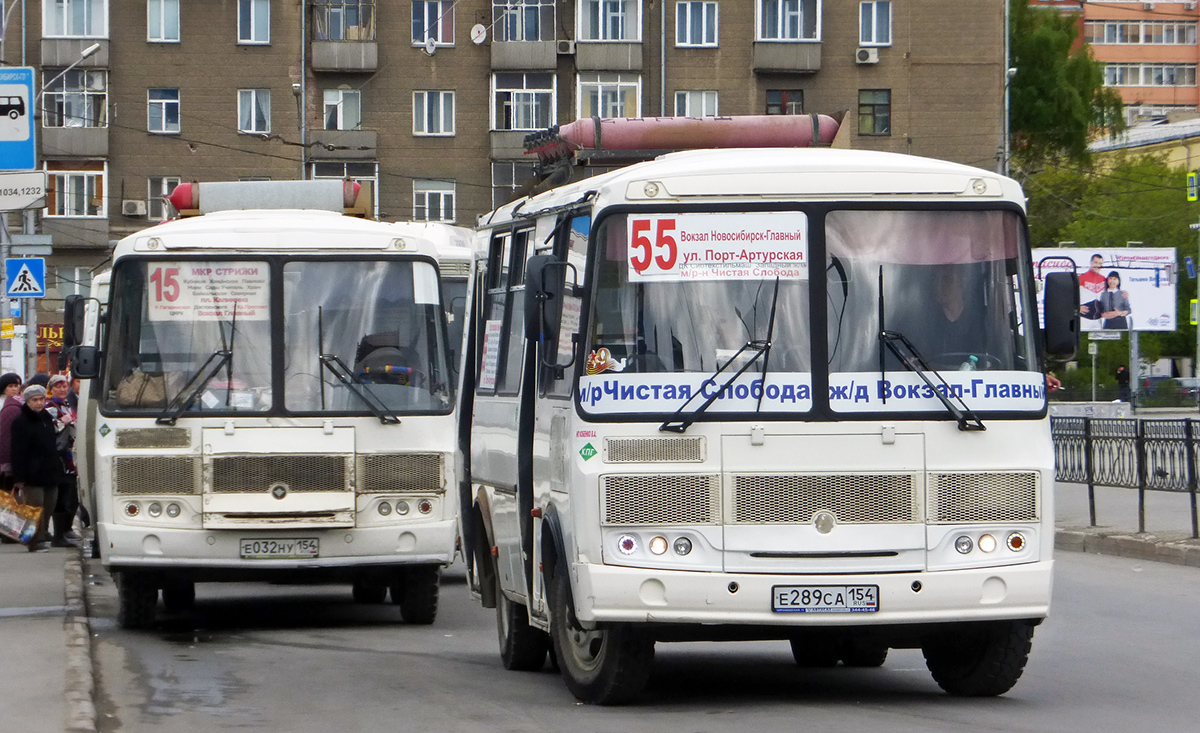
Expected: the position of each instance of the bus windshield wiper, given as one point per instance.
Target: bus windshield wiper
(914, 362)
(352, 382)
(222, 357)
(761, 347)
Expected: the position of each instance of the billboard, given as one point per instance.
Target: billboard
(1120, 289)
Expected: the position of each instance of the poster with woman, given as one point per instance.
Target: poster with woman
(1120, 289)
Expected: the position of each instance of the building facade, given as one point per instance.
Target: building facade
(430, 100)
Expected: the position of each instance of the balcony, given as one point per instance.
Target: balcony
(343, 144)
(524, 55)
(509, 145)
(62, 52)
(74, 142)
(344, 36)
(787, 57)
(608, 56)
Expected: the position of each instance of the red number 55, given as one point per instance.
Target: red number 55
(667, 248)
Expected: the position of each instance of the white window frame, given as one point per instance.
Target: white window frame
(524, 101)
(431, 194)
(254, 101)
(606, 82)
(66, 186)
(340, 101)
(433, 113)
(259, 31)
(505, 182)
(510, 18)
(359, 171)
(869, 15)
(158, 30)
(439, 12)
(58, 17)
(685, 11)
(163, 106)
(785, 10)
(1150, 75)
(158, 188)
(689, 99)
(77, 88)
(1118, 32)
(616, 21)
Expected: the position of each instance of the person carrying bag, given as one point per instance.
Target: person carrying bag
(36, 466)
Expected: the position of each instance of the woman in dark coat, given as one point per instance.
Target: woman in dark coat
(36, 465)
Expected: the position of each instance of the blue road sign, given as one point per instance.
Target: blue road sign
(16, 118)
(1191, 267)
(14, 307)
(26, 277)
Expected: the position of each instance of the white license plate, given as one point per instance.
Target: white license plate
(284, 548)
(825, 598)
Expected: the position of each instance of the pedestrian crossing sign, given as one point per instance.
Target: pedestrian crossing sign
(26, 277)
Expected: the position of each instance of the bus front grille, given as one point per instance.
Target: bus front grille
(983, 497)
(252, 474)
(156, 475)
(154, 438)
(661, 499)
(654, 450)
(851, 497)
(385, 473)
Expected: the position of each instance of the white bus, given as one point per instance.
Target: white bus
(269, 395)
(763, 394)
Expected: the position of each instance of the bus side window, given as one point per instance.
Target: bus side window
(514, 319)
(495, 297)
(571, 247)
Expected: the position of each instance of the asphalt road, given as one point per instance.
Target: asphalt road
(1119, 653)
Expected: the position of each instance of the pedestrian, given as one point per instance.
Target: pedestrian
(37, 469)
(68, 491)
(10, 390)
(1122, 376)
(73, 395)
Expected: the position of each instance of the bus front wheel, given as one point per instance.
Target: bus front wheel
(522, 647)
(417, 594)
(982, 660)
(605, 666)
(179, 596)
(137, 597)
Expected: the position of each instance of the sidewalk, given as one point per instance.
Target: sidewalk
(1168, 524)
(45, 641)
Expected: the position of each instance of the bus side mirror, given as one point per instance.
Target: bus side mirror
(1060, 313)
(85, 362)
(537, 294)
(73, 309)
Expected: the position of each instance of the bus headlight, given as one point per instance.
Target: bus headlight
(627, 544)
(173, 510)
(658, 545)
(155, 509)
(964, 544)
(682, 546)
(1016, 542)
(425, 506)
(987, 543)
(384, 508)
(402, 508)
(131, 509)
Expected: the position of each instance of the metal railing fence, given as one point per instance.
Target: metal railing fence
(1147, 455)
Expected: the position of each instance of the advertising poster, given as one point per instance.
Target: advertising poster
(1120, 288)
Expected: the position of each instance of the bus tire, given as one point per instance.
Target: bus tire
(179, 596)
(858, 653)
(364, 592)
(815, 653)
(419, 594)
(137, 597)
(522, 647)
(983, 660)
(607, 666)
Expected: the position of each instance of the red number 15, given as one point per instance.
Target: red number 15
(663, 241)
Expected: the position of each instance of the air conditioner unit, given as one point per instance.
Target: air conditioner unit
(867, 55)
(566, 48)
(1189, 6)
(1147, 6)
(130, 207)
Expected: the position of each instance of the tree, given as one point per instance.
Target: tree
(1058, 100)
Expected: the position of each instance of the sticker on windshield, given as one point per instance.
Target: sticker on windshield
(208, 291)
(601, 360)
(725, 246)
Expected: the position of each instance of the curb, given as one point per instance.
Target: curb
(1139, 546)
(80, 711)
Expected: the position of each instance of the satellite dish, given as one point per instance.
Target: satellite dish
(430, 45)
(478, 34)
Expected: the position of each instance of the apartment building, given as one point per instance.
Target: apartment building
(430, 100)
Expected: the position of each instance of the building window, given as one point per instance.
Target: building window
(695, 24)
(254, 21)
(610, 20)
(609, 95)
(162, 21)
(524, 20)
(785, 102)
(507, 179)
(695, 104)
(163, 110)
(343, 109)
(874, 112)
(344, 21)
(78, 98)
(433, 200)
(789, 20)
(875, 23)
(1147, 32)
(523, 101)
(433, 113)
(159, 188)
(254, 110)
(433, 19)
(74, 18)
(1150, 75)
(76, 189)
(365, 173)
